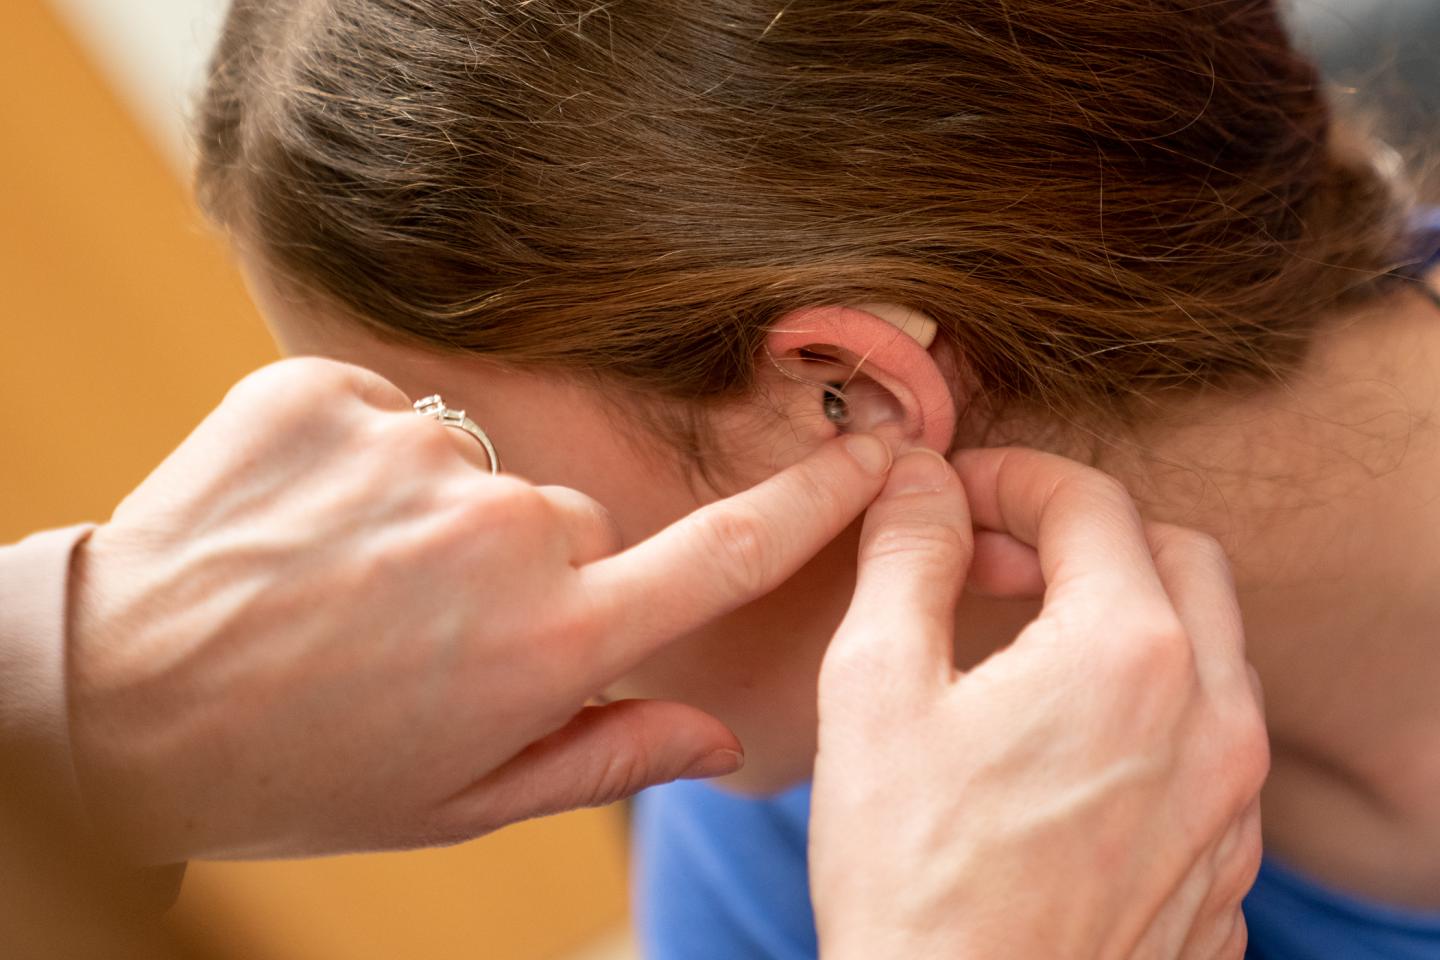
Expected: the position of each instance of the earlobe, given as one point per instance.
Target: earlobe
(885, 344)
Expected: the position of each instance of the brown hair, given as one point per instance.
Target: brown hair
(1096, 201)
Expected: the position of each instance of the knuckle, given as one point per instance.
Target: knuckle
(400, 438)
(1195, 545)
(510, 503)
(613, 537)
(294, 376)
(736, 537)
(1250, 753)
(1099, 491)
(1249, 854)
(932, 540)
(1257, 690)
(260, 388)
(847, 661)
(567, 505)
(1238, 847)
(826, 496)
(608, 539)
(624, 767)
(1233, 756)
(624, 774)
(1154, 648)
(1067, 478)
(1207, 548)
(476, 516)
(1150, 661)
(1103, 486)
(390, 447)
(298, 394)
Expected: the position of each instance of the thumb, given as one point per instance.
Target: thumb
(604, 754)
(915, 551)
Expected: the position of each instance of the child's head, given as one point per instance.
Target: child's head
(1100, 205)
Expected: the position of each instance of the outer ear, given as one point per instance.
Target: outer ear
(889, 345)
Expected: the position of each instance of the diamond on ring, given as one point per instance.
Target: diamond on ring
(434, 408)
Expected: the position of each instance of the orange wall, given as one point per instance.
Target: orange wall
(123, 322)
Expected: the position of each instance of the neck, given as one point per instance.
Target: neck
(1323, 492)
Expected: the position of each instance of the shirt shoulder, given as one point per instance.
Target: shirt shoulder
(719, 876)
(34, 725)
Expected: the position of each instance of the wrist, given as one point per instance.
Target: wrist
(110, 773)
(902, 925)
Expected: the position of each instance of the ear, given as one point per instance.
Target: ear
(880, 359)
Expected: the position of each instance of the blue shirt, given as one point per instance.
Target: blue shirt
(723, 877)
(1427, 242)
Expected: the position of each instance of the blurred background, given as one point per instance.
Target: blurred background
(124, 322)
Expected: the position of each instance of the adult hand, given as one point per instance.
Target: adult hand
(317, 628)
(1089, 791)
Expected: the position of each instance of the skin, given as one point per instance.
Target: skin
(221, 633)
(214, 673)
(1316, 489)
(1053, 783)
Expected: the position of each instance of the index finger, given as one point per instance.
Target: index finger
(1091, 542)
(732, 551)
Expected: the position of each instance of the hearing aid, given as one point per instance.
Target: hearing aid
(892, 344)
(913, 323)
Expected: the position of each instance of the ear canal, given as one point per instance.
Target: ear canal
(867, 405)
(892, 344)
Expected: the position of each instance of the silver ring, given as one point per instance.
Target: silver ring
(434, 408)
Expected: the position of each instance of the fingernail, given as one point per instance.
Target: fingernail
(872, 455)
(919, 471)
(716, 764)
